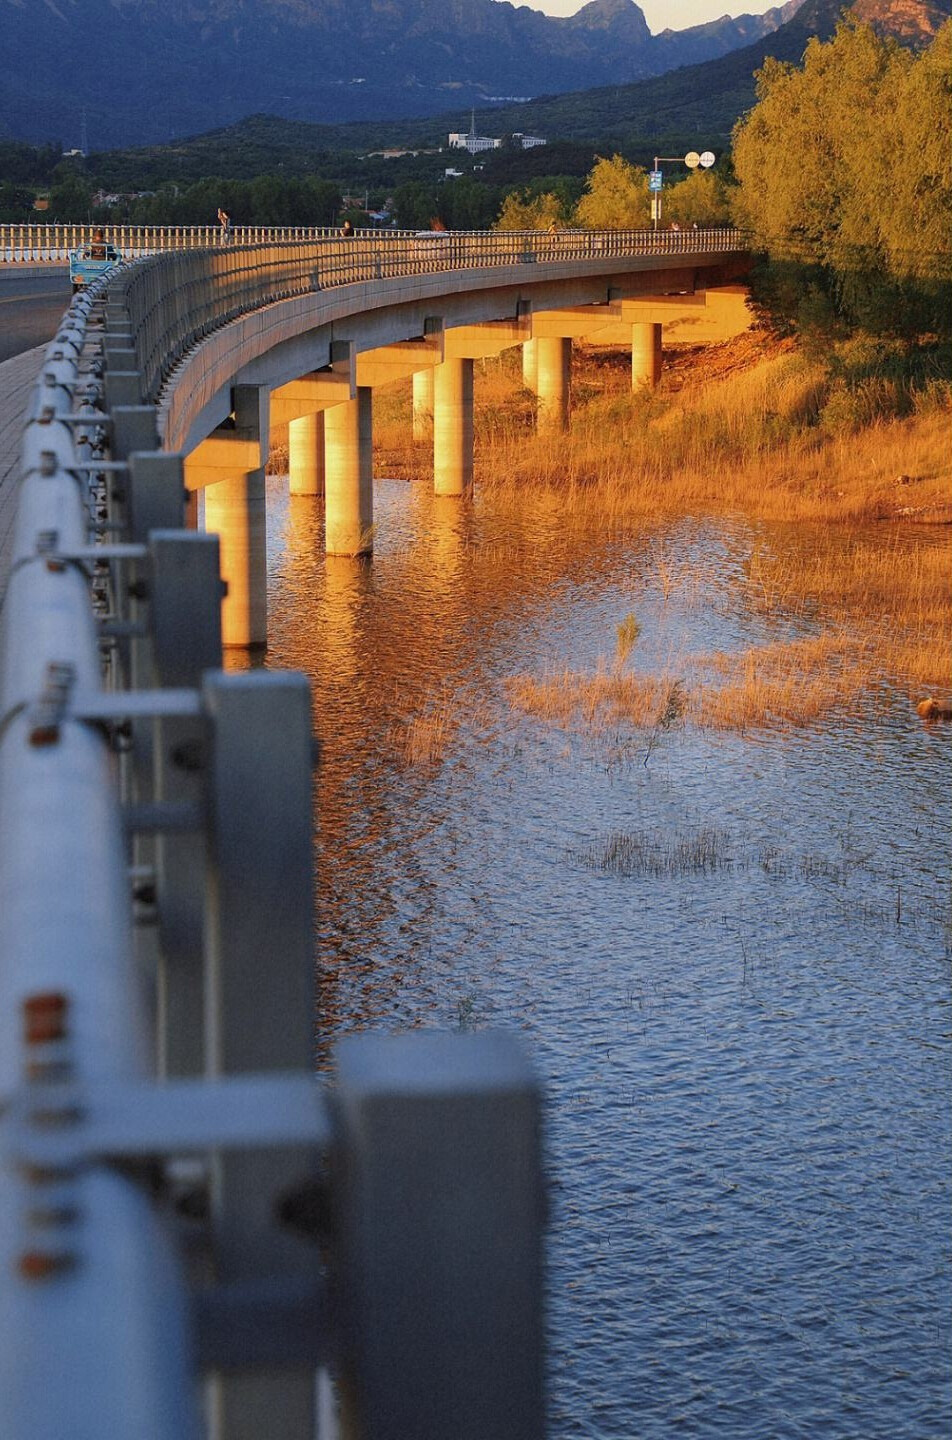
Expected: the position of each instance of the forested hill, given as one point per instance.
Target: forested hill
(135, 71)
(697, 103)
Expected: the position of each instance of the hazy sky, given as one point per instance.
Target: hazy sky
(667, 14)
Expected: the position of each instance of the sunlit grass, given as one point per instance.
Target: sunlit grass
(781, 686)
(752, 428)
(425, 736)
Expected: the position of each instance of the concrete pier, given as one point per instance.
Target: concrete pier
(645, 355)
(306, 454)
(530, 365)
(229, 467)
(422, 407)
(553, 382)
(453, 427)
(348, 481)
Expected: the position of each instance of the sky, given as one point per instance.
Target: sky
(667, 14)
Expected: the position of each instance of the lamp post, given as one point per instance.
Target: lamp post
(655, 180)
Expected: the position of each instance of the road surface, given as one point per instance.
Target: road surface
(31, 303)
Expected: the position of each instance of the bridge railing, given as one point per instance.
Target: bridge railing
(174, 300)
(51, 244)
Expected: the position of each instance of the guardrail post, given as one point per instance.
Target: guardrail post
(438, 1209)
(260, 993)
(185, 625)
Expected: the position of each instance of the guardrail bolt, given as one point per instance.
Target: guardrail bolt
(45, 1017)
(46, 1264)
(47, 713)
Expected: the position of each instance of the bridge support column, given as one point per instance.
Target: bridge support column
(229, 467)
(422, 406)
(530, 365)
(348, 484)
(235, 512)
(645, 355)
(554, 370)
(453, 427)
(306, 454)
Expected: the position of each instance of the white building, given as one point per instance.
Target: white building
(472, 142)
(469, 140)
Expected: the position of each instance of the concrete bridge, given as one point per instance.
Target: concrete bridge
(313, 330)
(171, 1172)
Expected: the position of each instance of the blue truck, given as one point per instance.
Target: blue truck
(91, 260)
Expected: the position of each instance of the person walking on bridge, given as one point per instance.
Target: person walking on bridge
(224, 220)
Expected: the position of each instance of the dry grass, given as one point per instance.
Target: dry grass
(598, 701)
(789, 685)
(750, 427)
(781, 686)
(424, 737)
(656, 856)
(894, 593)
(747, 425)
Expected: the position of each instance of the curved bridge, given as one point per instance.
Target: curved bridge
(163, 1178)
(230, 343)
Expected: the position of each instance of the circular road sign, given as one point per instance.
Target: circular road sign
(692, 159)
(707, 159)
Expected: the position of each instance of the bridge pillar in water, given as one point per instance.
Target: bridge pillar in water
(348, 481)
(229, 467)
(553, 383)
(453, 427)
(306, 454)
(422, 406)
(645, 355)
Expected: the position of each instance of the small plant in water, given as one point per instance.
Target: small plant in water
(671, 710)
(657, 856)
(626, 635)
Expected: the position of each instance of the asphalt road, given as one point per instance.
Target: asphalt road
(31, 303)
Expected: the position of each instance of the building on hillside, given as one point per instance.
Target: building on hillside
(469, 140)
(458, 140)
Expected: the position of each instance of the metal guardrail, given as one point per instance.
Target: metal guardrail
(51, 244)
(171, 1173)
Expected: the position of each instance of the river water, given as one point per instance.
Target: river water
(742, 1032)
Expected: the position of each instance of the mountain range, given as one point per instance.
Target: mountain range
(158, 69)
(99, 74)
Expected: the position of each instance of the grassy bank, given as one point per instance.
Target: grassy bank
(843, 462)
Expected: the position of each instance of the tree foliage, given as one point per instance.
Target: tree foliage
(524, 211)
(845, 165)
(703, 198)
(616, 197)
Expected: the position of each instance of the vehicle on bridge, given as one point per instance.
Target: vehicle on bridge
(91, 260)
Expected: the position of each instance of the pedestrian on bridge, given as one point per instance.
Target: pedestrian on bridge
(224, 220)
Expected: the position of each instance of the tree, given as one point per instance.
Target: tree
(867, 204)
(467, 204)
(520, 211)
(414, 205)
(71, 199)
(700, 199)
(616, 197)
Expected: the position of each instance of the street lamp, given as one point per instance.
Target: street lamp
(692, 160)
